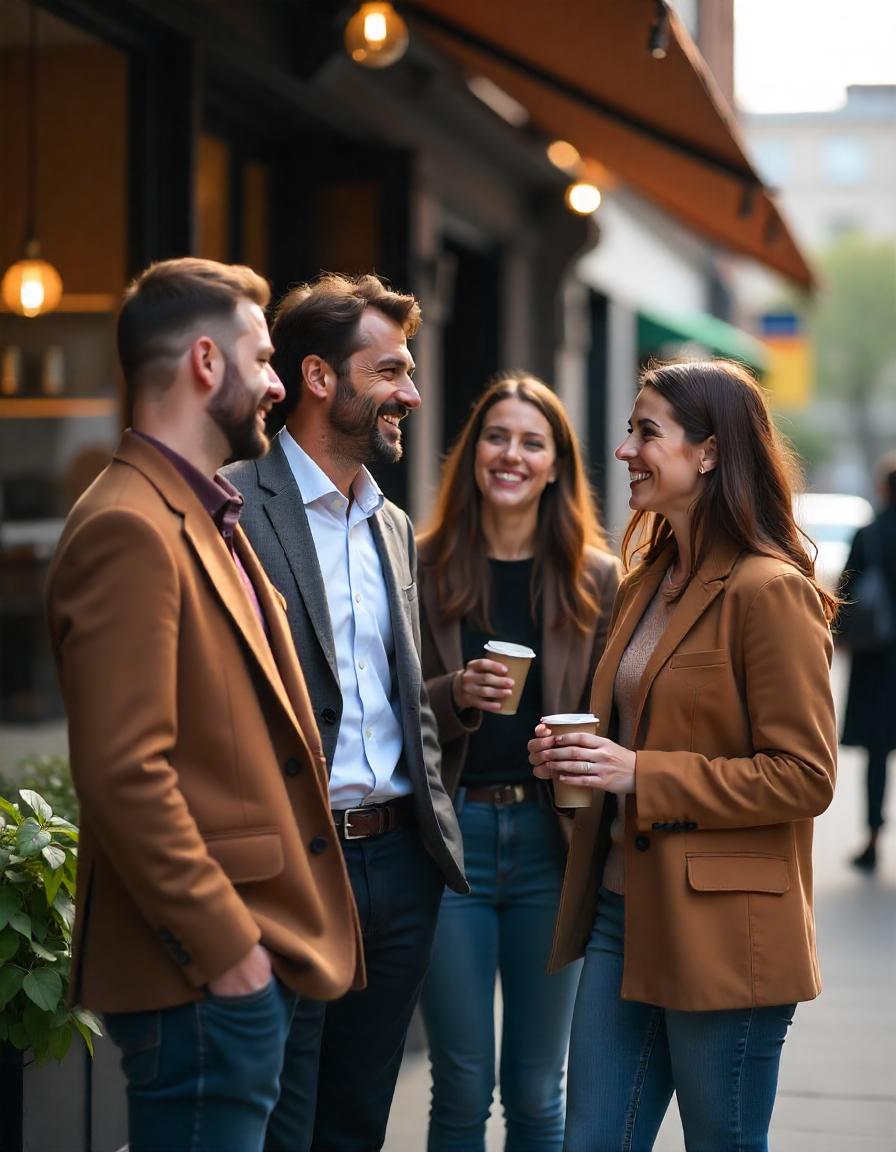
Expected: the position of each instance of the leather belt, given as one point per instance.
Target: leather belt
(500, 795)
(374, 819)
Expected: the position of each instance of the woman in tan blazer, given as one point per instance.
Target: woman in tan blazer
(689, 881)
(514, 553)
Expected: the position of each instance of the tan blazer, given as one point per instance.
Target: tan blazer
(204, 812)
(736, 753)
(568, 659)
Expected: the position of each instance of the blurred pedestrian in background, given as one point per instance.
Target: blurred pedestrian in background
(693, 904)
(514, 552)
(870, 720)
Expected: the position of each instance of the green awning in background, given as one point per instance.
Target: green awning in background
(659, 332)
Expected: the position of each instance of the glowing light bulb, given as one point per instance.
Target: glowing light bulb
(31, 286)
(376, 36)
(583, 198)
(375, 27)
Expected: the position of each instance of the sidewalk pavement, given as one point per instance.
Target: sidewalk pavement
(837, 1090)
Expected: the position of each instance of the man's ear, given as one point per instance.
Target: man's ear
(316, 374)
(205, 357)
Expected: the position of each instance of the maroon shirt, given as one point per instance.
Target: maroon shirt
(222, 502)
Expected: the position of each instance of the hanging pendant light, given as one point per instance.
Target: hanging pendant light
(31, 285)
(376, 36)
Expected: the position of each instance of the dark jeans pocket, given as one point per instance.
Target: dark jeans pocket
(138, 1035)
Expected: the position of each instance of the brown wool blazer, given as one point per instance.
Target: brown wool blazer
(205, 823)
(568, 659)
(736, 753)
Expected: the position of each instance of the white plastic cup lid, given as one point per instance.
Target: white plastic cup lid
(504, 648)
(569, 718)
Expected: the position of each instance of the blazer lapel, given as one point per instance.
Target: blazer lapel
(283, 651)
(706, 585)
(446, 636)
(289, 521)
(555, 654)
(383, 531)
(213, 555)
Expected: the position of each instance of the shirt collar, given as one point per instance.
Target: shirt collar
(217, 496)
(315, 485)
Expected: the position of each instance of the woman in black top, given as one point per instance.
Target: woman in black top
(514, 553)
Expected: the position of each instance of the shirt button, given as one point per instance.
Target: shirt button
(292, 767)
(368, 733)
(319, 844)
(642, 843)
(357, 597)
(361, 665)
(329, 715)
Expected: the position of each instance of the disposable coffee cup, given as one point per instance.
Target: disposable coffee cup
(571, 795)
(516, 658)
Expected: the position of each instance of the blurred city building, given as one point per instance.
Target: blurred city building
(835, 176)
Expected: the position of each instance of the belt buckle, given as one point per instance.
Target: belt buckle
(509, 794)
(346, 831)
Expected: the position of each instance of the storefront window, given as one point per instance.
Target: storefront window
(59, 389)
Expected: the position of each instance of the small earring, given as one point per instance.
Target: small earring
(700, 469)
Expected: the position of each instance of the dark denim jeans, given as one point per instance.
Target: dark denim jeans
(627, 1058)
(203, 1077)
(342, 1059)
(514, 862)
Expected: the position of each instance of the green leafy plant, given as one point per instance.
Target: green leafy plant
(38, 861)
(48, 775)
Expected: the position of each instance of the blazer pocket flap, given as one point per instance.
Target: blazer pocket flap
(700, 659)
(717, 872)
(256, 854)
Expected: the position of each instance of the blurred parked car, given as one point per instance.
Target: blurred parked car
(830, 520)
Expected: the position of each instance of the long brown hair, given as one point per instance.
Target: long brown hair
(453, 541)
(748, 495)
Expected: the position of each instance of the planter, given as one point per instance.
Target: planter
(78, 1105)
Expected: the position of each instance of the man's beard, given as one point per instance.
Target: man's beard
(235, 412)
(356, 418)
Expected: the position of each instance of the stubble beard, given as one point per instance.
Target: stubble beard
(243, 436)
(355, 420)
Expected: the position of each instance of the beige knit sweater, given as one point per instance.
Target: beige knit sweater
(625, 697)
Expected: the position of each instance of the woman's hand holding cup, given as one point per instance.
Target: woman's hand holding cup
(581, 759)
(482, 684)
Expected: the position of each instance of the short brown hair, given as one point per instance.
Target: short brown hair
(321, 319)
(165, 302)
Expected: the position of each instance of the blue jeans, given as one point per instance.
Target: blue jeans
(343, 1058)
(627, 1058)
(514, 862)
(204, 1076)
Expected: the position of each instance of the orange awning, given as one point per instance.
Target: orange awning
(583, 71)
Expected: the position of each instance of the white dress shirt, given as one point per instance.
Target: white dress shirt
(368, 748)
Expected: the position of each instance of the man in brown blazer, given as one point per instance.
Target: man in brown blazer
(211, 888)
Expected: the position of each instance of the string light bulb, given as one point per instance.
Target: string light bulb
(376, 36)
(31, 286)
(582, 197)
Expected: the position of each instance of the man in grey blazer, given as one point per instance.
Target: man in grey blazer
(344, 559)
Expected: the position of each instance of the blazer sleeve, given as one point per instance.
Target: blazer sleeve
(452, 724)
(114, 604)
(785, 676)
